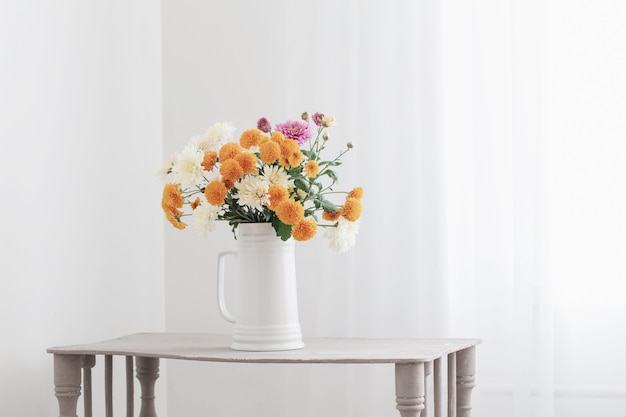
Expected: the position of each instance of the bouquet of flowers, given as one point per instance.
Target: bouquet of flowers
(271, 175)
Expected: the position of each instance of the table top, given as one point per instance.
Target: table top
(216, 348)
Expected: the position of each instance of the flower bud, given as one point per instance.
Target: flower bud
(328, 121)
(325, 135)
(305, 116)
(350, 145)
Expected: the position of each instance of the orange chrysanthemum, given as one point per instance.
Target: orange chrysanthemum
(290, 212)
(330, 216)
(215, 193)
(231, 170)
(195, 203)
(172, 197)
(250, 138)
(210, 158)
(311, 169)
(357, 193)
(229, 150)
(278, 194)
(291, 156)
(304, 230)
(351, 209)
(247, 162)
(174, 218)
(229, 184)
(270, 151)
(277, 137)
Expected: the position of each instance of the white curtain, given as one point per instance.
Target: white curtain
(489, 142)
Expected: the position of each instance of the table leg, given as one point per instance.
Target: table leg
(67, 383)
(410, 388)
(147, 374)
(465, 380)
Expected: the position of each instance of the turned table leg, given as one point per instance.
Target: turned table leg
(410, 389)
(67, 383)
(147, 374)
(465, 380)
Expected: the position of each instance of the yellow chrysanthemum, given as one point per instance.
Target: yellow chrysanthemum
(278, 194)
(231, 170)
(210, 158)
(247, 162)
(311, 169)
(174, 218)
(277, 137)
(351, 209)
(304, 230)
(250, 138)
(291, 156)
(229, 151)
(215, 193)
(357, 193)
(270, 151)
(330, 216)
(172, 197)
(290, 212)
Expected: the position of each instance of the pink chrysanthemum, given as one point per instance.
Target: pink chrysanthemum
(317, 118)
(264, 125)
(297, 130)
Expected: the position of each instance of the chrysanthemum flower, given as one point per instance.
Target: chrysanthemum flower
(357, 193)
(343, 236)
(351, 209)
(215, 136)
(290, 212)
(278, 194)
(317, 118)
(172, 197)
(297, 130)
(276, 175)
(204, 217)
(252, 191)
(247, 161)
(304, 230)
(209, 160)
(291, 156)
(166, 168)
(270, 151)
(249, 138)
(229, 151)
(231, 170)
(328, 121)
(174, 218)
(264, 125)
(277, 137)
(187, 167)
(331, 216)
(311, 169)
(215, 192)
(194, 204)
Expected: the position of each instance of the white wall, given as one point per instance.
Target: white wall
(82, 233)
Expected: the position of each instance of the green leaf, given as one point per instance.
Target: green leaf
(283, 230)
(301, 184)
(331, 174)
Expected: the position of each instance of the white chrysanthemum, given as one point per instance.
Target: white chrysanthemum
(343, 236)
(166, 168)
(215, 136)
(276, 175)
(252, 191)
(204, 217)
(187, 166)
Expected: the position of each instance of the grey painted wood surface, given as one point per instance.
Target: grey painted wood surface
(414, 359)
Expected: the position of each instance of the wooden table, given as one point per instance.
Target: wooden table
(414, 361)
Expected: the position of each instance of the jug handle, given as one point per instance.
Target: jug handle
(221, 300)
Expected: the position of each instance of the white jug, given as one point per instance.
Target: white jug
(266, 317)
